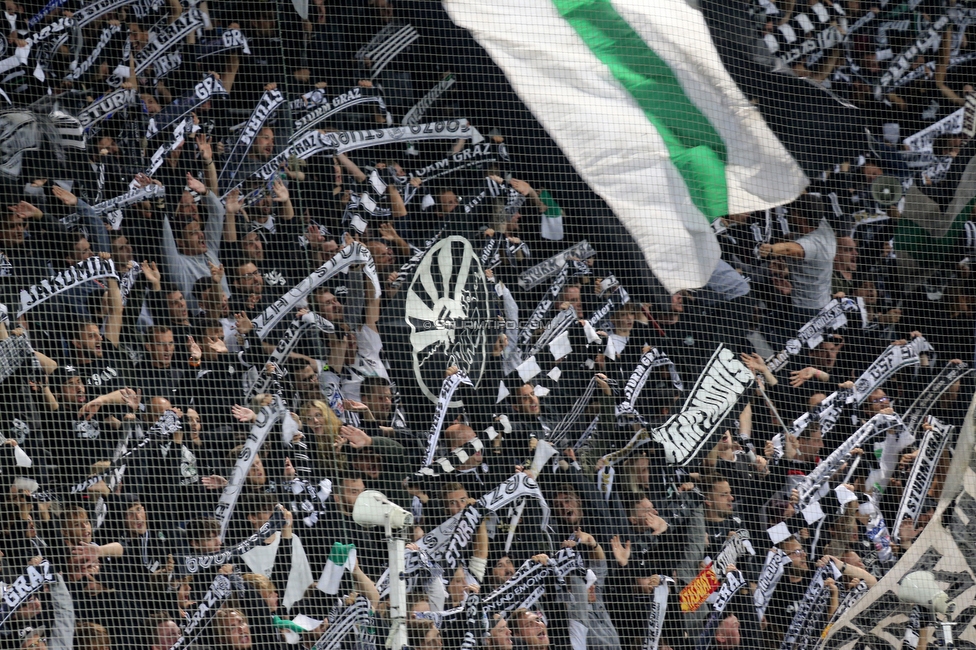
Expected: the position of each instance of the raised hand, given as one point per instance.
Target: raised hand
(243, 323)
(242, 413)
(356, 438)
(621, 552)
(26, 210)
(65, 196)
(280, 192)
(195, 185)
(233, 204)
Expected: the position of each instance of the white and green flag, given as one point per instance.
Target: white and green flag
(634, 93)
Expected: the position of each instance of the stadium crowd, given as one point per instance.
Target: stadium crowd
(187, 435)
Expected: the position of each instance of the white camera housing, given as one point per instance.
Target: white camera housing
(374, 509)
(920, 588)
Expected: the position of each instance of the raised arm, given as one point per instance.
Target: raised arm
(113, 324)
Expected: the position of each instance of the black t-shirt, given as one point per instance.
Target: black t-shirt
(106, 374)
(76, 444)
(158, 382)
(213, 388)
(784, 603)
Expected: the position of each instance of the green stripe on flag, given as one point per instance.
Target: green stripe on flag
(694, 146)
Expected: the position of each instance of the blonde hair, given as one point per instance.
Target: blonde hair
(259, 581)
(326, 453)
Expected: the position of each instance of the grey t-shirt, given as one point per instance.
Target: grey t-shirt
(811, 275)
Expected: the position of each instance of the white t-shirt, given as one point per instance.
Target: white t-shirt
(368, 348)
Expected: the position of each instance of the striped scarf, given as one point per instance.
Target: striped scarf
(194, 563)
(320, 108)
(388, 43)
(522, 590)
(269, 102)
(220, 590)
(165, 39)
(164, 428)
(833, 316)
(922, 474)
(348, 256)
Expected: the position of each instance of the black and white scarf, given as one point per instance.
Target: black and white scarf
(417, 562)
(448, 387)
(559, 324)
(928, 41)
(850, 599)
(410, 266)
(833, 316)
(14, 352)
(385, 46)
(348, 256)
(181, 132)
(657, 608)
(922, 475)
(270, 101)
(626, 411)
(540, 311)
(913, 629)
(719, 387)
(827, 413)
(476, 623)
(809, 612)
(514, 200)
(203, 92)
(345, 619)
(474, 157)
(735, 546)
(523, 589)
(448, 464)
(166, 39)
(362, 207)
(167, 424)
(772, 572)
(259, 380)
(106, 105)
(230, 39)
(548, 268)
(78, 70)
(194, 563)
(136, 195)
(556, 437)
(23, 588)
(445, 543)
(316, 142)
(321, 108)
(491, 256)
(419, 110)
(919, 410)
(45, 10)
(810, 486)
(266, 418)
(616, 297)
(65, 26)
(220, 590)
(346, 141)
(893, 359)
(166, 64)
(93, 268)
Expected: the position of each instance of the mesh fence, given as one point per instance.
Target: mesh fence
(607, 324)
